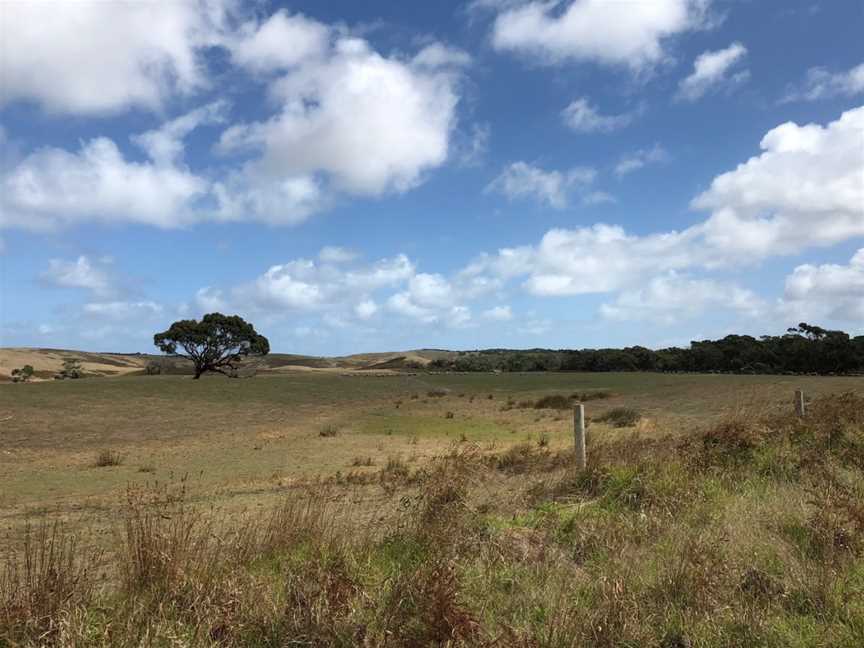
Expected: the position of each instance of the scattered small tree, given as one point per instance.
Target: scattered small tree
(24, 374)
(216, 343)
(153, 368)
(71, 369)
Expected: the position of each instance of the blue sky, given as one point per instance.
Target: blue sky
(387, 175)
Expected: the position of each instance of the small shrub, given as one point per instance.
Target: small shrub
(760, 585)
(553, 401)
(426, 609)
(585, 396)
(733, 442)
(395, 468)
(329, 430)
(620, 417)
(449, 415)
(107, 458)
(516, 459)
(543, 440)
(147, 468)
(436, 393)
(835, 529)
(24, 374)
(153, 368)
(362, 461)
(397, 404)
(71, 370)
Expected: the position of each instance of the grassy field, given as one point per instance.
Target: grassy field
(235, 435)
(439, 507)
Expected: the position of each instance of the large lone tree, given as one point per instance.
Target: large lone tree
(216, 343)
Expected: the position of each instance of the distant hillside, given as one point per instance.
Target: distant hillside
(47, 362)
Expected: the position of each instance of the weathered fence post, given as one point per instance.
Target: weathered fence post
(579, 434)
(799, 402)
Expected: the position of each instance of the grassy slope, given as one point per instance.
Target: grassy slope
(47, 362)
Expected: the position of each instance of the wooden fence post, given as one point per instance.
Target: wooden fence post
(579, 435)
(799, 402)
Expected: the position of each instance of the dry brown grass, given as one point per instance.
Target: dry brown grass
(39, 582)
(748, 532)
(106, 458)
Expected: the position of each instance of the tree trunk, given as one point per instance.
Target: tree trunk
(198, 373)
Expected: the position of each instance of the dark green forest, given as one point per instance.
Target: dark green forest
(804, 349)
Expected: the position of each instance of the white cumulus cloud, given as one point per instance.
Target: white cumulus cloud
(831, 291)
(824, 84)
(711, 71)
(523, 180)
(498, 313)
(80, 273)
(210, 300)
(54, 187)
(350, 122)
(637, 159)
(631, 34)
(336, 254)
(93, 57)
(363, 123)
(671, 297)
(582, 117)
(280, 42)
(123, 310)
(805, 190)
(366, 309)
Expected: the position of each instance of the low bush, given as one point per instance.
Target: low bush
(517, 459)
(71, 370)
(23, 374)
(395, 468)
(105, 458)
(620, 417)
(553, 401)
(329, 430)
(585, 396)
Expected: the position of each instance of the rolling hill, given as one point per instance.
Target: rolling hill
(48, 362)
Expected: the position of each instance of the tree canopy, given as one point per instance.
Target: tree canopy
(802, 349)
(217, 343)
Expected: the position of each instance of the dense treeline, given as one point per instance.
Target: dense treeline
(804, 349)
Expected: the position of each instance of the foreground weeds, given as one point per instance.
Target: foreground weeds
(750, 533)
